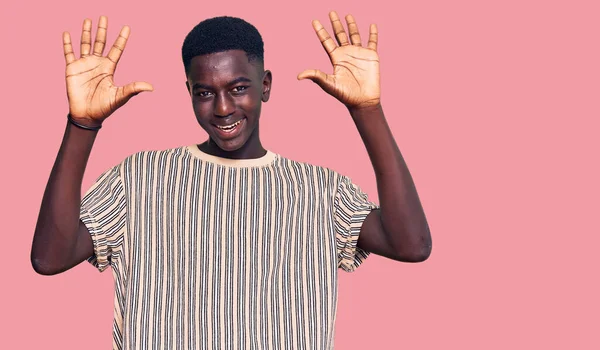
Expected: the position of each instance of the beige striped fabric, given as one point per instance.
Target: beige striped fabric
(214, 253)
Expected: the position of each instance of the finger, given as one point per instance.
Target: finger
(86, 37)
(117, 49)
(130, 90)
(323, 80)
(373, 36)
(353, 30)
(328, 43)
(68, 48)
(137, 87)
(100, 36)
(338, 29)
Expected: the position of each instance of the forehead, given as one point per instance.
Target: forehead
(222, 66)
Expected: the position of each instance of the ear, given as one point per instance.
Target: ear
(266, 84)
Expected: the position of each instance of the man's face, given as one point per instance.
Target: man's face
(227, 91)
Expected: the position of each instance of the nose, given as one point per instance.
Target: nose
(224, 105)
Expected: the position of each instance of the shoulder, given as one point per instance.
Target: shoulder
(310, 169)
(143, 159)
(156, 154)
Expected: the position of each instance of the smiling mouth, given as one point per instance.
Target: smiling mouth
(227, 132)
(230, 127)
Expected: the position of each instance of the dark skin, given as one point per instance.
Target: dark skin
(398, 230)
(61, 240)
(226, 88)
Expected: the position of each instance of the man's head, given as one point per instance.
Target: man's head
(224, 65)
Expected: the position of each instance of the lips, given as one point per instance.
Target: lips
(229, 131)
(229, 127)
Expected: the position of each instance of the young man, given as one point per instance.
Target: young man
(225, 244)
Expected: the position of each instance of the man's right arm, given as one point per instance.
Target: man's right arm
(61, 240)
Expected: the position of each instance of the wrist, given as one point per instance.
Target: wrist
(366, 111)
(84, 124)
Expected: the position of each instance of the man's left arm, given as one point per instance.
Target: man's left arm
(399, 229)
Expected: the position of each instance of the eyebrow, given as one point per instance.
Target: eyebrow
(233, 82)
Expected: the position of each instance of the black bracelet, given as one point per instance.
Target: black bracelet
(92, 128)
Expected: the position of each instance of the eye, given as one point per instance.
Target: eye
(203, 94)
(240, 88)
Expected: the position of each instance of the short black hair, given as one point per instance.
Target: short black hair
(222, 34)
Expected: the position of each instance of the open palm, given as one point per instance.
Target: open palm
(355, 78)
(92, 93)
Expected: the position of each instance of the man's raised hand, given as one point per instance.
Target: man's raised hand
(90, 87)
(355, 78)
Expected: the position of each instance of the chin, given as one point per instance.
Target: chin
(231, 145)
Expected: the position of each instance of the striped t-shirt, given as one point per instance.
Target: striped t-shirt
(215, 253)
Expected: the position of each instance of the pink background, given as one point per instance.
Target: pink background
(494, 106)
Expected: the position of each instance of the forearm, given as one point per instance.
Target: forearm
(402, 216)
(55, 234)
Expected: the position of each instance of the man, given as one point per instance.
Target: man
(225, 244)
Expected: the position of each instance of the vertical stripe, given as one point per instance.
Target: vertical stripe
(209, 253)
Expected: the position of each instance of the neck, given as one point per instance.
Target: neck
(250, 150)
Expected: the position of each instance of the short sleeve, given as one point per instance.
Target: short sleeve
(103, 211)
(351, 207)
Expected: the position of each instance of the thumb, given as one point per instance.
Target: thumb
(325, 81)
(132, 89)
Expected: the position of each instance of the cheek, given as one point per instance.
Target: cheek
(251, 104)
(202, 114)
(202, 109)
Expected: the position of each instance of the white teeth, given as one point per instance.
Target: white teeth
(227, 127)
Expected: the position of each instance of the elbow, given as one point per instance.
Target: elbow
(41, 267)
(41, 261)
(421, 254)
(415, 255)
(419, 250)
